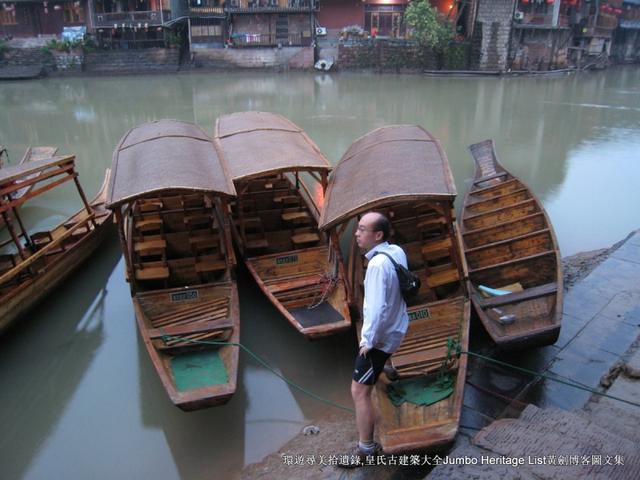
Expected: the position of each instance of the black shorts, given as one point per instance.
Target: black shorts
(369, 368)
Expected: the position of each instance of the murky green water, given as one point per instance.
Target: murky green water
(79, 396)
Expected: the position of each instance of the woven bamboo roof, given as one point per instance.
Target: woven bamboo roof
(388, 165)
(256, 144)
(166, 155)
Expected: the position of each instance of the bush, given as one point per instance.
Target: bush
(429, 28)
(87, 44)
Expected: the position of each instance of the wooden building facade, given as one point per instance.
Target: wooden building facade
(28, 18)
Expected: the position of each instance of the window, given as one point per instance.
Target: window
(73, 13)
(8, 16)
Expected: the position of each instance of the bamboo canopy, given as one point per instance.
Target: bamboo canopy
(256, 144)
(389, 164)
(166, 155)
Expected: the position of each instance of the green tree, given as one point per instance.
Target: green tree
(430, 28)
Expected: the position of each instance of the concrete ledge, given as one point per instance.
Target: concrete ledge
(284, 58)
(133, 61)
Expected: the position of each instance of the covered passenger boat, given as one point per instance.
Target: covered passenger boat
(170, 196)
(275, 219)
(515, 268)
(403, 172)
(33, 263)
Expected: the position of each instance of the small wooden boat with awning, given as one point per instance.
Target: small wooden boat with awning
(403, 172)
(33, 263)
(515, 268)
(275, 219)
(170, 196)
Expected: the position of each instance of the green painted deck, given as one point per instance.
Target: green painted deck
(198, 370)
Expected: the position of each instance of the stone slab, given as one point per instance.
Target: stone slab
(625, 306)
(551, 441)
(629, 252)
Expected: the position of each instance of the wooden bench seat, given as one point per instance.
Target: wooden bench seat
(490, 177)
(205, 266)
(305, 238)
(151, 272)
(287, 199)
(204, 241)
(150, 205)
(296, 217)
(527, 294)
(431, 221)
(197, 218)
(442, 275)
(414, 359)
(191, 328)
(40, 239)
(437, 248)
(148, 223)
(153, 246)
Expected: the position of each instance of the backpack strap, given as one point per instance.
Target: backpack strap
(395, 264)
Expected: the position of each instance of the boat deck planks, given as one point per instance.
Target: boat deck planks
(507, 240)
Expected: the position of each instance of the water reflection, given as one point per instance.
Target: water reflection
(44, 359)
(80, 397)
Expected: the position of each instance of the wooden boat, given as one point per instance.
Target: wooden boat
(170, 196)
(32, 264)
(275, 220)
(509, 245)
(403, 172)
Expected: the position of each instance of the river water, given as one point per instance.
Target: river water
(79, 396)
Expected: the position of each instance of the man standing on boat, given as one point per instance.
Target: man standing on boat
(384, 325)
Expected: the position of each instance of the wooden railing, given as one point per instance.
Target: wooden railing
(256, 6)
(129, 19)
(268, 40)
(206, 9)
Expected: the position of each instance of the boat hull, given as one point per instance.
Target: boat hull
(204, 396)
(509, 244)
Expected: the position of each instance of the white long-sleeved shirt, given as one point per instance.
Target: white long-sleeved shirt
(385, 311)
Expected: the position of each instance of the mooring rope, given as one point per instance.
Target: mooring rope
(262, 362)
(453, 344)
(328, 283)
(453, 347)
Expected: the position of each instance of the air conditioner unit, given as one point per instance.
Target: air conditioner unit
(321, 31)
(518, 15)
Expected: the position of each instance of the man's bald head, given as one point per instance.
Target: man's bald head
(373, 229)
(378, 222)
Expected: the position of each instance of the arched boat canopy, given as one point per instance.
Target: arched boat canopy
(388, 165)
(256, 144)
(166, 155)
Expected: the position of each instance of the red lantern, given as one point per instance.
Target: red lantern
(550, 2)
(526, 2)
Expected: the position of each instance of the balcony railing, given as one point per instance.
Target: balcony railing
(207, 10)
(269, 40)
(265, 6)
(133, 19)
(603, 27)
(542, 20)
